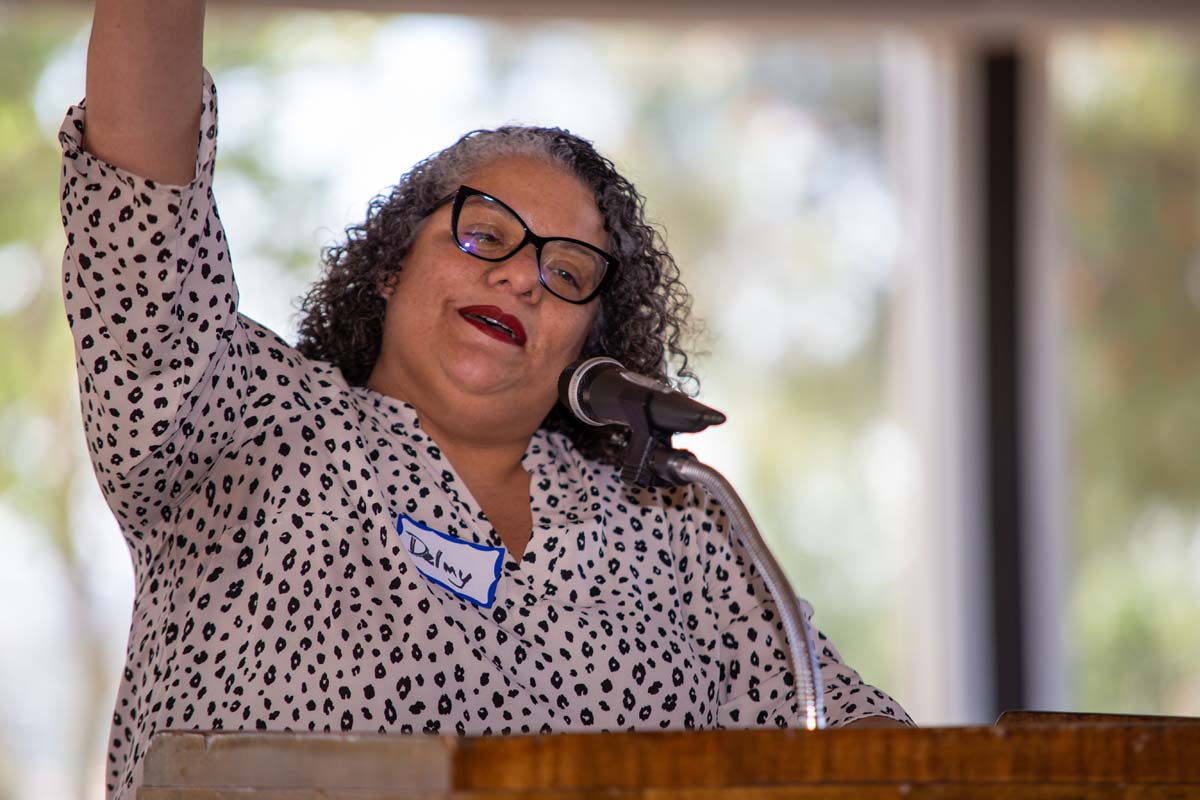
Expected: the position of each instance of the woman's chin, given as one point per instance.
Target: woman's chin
(496, 390)
(484, 377)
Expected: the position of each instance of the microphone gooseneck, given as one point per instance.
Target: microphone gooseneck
(600, 391)
(796, 628)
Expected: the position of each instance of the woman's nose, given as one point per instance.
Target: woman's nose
(519, 271)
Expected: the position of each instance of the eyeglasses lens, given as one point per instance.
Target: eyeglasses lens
(489, 230)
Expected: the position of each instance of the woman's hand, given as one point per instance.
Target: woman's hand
(144, 78)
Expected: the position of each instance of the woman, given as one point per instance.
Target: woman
(391, 527)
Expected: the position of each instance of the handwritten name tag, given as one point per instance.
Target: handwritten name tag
(469, 570)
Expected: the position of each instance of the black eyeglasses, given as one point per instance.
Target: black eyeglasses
(488, 229)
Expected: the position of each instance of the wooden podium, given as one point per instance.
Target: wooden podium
(1025, 755)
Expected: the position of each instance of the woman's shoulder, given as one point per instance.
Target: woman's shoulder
(280, 365)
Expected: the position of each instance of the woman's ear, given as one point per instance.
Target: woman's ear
(387, 284)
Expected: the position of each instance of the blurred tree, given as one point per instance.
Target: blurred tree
(40, 414)
(1130, 110)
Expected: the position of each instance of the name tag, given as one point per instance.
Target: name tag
(469, 570)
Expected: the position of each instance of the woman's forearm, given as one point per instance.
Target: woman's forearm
(144, 78)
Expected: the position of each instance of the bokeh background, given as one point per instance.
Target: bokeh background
(813, 179)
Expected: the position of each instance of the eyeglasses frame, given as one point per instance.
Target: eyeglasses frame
(460, 195)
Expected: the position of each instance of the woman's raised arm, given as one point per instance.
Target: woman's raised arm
(144, 78)
(163, 357)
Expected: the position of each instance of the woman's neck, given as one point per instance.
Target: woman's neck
(490, 465)
(496, 479)
(484, 438)
(482, 455)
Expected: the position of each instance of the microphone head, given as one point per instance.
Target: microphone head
(600, 391)
(573, 382)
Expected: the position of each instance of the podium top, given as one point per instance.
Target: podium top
(1082, 753)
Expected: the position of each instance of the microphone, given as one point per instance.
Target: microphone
(600, 391)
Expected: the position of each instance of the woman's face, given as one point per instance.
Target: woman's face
(444, 359)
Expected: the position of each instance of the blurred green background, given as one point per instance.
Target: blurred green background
(763, 156)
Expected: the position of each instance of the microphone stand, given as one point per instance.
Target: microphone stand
(650, 460)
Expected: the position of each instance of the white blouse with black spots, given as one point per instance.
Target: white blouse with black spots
(259, 494)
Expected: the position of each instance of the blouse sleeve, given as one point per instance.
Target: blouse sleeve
(151, 302)
(756, 686)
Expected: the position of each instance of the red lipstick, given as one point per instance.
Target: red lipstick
(495, 323)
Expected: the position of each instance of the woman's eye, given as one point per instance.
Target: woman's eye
(565, 275)
(481, 235)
